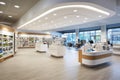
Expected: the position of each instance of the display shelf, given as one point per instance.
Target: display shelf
(28, 40)
(6, 42)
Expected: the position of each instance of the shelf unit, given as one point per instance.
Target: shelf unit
(6, 42)
(28, 40)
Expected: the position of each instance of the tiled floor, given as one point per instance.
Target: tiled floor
(28, 64)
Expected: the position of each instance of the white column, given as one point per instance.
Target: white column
(103, 33)
(77, 35)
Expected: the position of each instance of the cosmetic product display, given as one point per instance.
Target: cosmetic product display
(95, 54)
(6, 42)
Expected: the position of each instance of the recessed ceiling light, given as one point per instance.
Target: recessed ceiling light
(77, 16)
(75, 10)
(65, 17)
(86, 18)
(54, 14)
(10, 16)
(99, 16)
(2, 3)
(1, 11)
(16, 6)
(46, 18)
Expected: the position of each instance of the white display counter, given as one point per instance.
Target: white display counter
(56, 50)
(41, 47)
(95, 57)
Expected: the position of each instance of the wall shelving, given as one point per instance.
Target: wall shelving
(28, 40)
(6, 42)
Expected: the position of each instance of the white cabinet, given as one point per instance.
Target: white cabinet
(57, 50)
(41, 47)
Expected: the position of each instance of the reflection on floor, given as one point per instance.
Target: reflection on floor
(30, 65)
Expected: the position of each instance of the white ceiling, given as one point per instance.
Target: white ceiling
(33, 21)
(63, 17)
(9, 9)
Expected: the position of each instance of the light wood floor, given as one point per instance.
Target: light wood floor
(30, 65)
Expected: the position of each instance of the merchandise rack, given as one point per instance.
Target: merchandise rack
(28, 40)
(6, 42)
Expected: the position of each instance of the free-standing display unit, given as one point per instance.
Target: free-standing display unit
(6, 42)
(57, 49)
(96, 55)
(41, 47)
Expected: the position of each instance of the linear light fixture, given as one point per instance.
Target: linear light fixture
(67, 6)
(10, 16)
(1, 11)
(2, 3)
(16, 6)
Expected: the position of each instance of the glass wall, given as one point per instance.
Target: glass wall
(98, 36)
(70, 38)
(86, 35)
(90, 35)
(114, 36)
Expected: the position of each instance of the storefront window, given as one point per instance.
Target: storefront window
(81, 36)
(73, 37)
(98, 35)
(70, 38)
(114, 35)
(93, 37)
(87, 36)
(90, 35)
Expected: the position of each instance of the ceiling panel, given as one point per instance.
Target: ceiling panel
(9, 10)
(87, 13)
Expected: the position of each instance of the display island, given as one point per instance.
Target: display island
(92, 56)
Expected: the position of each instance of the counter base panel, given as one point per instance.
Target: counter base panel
(96, 62)
(41, 51)
(57, 56)
(4, 58)
(25, 47)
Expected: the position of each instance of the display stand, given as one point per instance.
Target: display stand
(41, 47)
(56, 49)
(6, 42)
(93, 58)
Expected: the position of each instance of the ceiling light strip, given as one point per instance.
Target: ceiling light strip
(63, 7)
